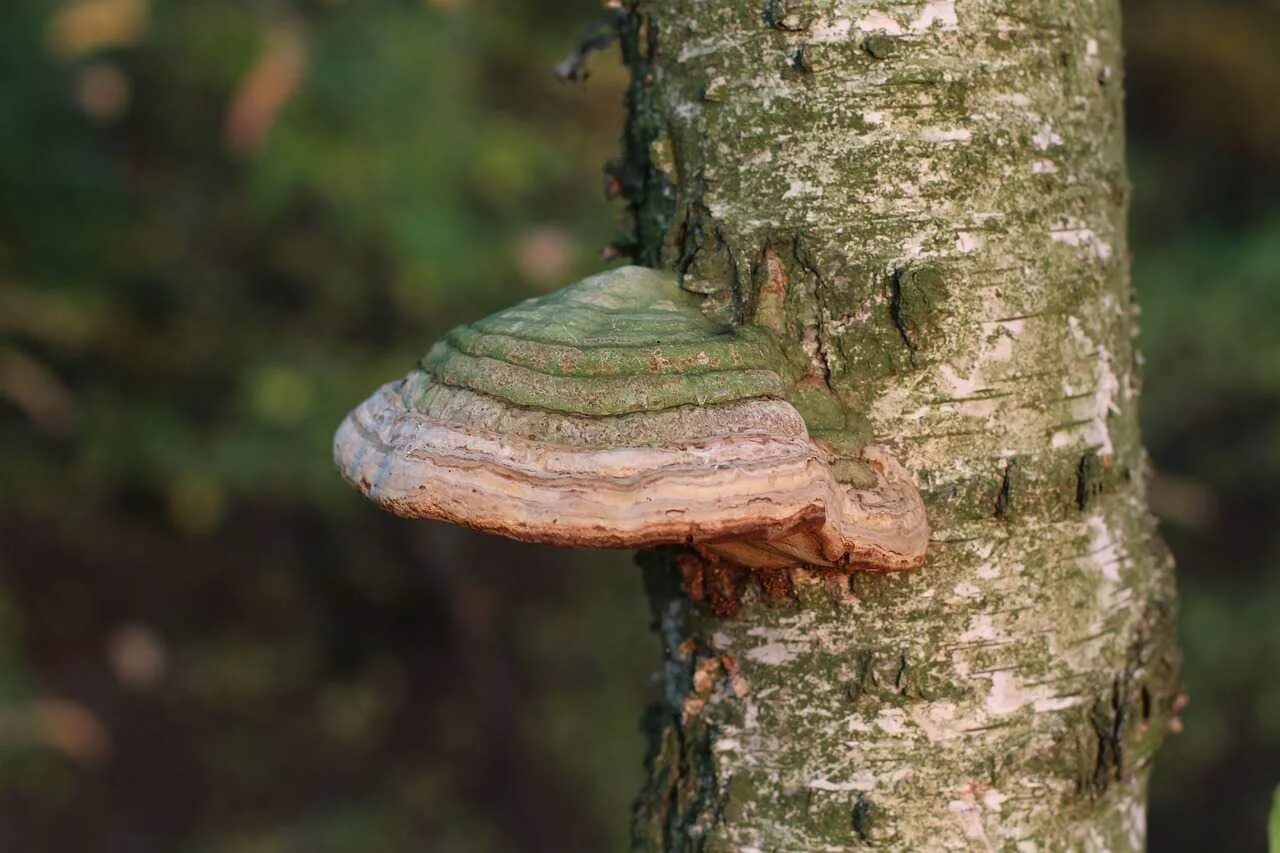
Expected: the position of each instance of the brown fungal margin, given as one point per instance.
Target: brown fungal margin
(755, 498)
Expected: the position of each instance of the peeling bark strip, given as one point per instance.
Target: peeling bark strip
(930, 208)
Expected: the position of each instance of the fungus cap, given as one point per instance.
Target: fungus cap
(613, 413)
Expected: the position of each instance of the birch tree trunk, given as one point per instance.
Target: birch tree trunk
(928, 200)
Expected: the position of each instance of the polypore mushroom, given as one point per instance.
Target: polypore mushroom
(614, 414)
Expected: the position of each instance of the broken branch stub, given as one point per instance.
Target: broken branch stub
(614, 414)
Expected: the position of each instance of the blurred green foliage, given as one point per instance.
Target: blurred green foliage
(1273, 825)
(223, 221)
(1204, 106)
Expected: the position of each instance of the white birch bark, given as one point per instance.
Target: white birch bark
(929, 197)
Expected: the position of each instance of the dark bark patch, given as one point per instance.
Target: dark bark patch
(1090, 479)
(783, 15)
(1107, 718)
(707, 264)
(682, 792)
(916, 294)
(650, 195)
(885, 678)
(1125, 725)
(864, 812)
(880, 47)
(857, 686)
(800, 59)
(1005, 496)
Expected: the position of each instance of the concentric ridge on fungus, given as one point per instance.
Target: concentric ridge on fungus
(612, 413)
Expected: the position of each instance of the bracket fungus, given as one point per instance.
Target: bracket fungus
(614, 414)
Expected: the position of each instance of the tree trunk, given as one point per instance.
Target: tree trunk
(927, 199)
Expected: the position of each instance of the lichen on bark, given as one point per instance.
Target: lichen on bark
(926, 202)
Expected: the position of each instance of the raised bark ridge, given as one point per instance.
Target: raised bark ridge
(926, 201)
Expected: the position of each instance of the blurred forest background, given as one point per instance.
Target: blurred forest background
(223, 222)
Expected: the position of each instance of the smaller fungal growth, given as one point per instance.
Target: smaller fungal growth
(614, 414)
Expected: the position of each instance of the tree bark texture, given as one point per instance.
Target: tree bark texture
(927, 200)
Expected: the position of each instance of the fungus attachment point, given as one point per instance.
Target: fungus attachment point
(614, 414)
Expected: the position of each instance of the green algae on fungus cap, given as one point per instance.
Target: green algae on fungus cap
(629, 340)
(613, 413)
